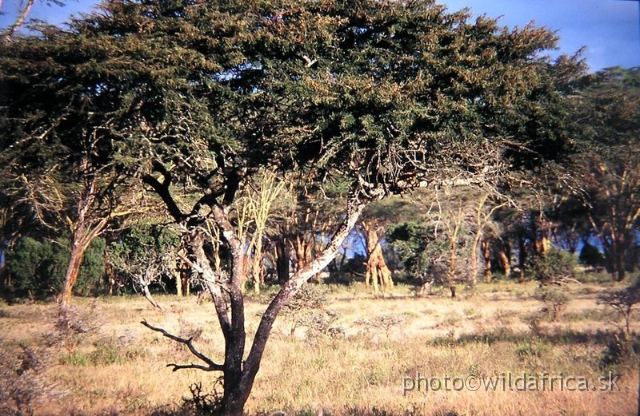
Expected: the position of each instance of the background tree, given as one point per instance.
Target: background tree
(144, 254)
(376, 218)
(385, 95)
(607, 116)
(253, 215)
(36, 268)
(61, 142)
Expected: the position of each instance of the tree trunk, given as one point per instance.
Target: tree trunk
(486, 255)
(522, 258)
(256, 267)
(177, 274)
(147, 294)
(239, 389)
(544, 245)
(282, 259)
(377, 270)
(73, 270)
(505, 262)
(618, 251)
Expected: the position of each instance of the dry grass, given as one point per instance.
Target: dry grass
(356, 369)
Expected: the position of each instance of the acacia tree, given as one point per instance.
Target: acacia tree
(385, 95)
(607, 115)
(58, 147)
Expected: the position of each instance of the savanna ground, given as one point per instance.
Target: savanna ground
(347, 355)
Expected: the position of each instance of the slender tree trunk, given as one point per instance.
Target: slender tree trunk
(147, 294)
(522, 258)
(282, 259)
(473, 258)
(233, 403)
(505, 262)
(256, 267)
(486, 255)
(619, 256)
(177, 274)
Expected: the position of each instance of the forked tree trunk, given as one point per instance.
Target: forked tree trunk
(239, 373)
(240, 387)
(377, 270)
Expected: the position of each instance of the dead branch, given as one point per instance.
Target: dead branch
(211, 365)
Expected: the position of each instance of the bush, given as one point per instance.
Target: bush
(554, 299)
(553, 266)
(624, 302)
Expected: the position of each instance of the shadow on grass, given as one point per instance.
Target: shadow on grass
(558, 337)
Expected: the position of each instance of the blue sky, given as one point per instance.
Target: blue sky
(608, 28)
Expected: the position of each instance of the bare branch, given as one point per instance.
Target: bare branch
(211, 365)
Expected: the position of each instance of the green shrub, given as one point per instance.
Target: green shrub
(37, 268)
(553, 266)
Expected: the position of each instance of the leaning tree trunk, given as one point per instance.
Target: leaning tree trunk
(147, 294)
(82, 234)
(79, 244)
(239, 370)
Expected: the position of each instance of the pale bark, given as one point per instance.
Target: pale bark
(22, 16)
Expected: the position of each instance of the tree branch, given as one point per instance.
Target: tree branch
(162, 189)
(19, 20)
(293, 285)
(211, 365)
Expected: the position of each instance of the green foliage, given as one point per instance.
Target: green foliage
(591, 256)
(144, 253)
(607, 117)
(409, 241)
(387, 90)
(553, 266)
(38, 268)
(143, 239)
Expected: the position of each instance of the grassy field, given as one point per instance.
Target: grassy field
(354, 354)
